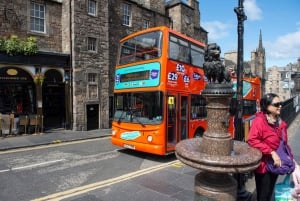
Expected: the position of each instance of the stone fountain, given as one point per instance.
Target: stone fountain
(216, 154)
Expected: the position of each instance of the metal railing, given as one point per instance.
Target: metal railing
(290, 109)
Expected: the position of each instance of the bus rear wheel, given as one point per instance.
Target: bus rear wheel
(199, 133)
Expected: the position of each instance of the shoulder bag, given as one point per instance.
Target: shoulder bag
(287, 162)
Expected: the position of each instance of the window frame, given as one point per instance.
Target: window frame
(146, 24)
(90, 9)
(33, 18)
(92, 80)
(91, 44)
(126, 14)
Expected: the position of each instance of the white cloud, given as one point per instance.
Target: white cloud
(252, 11)
(216, 30)
(285, 46)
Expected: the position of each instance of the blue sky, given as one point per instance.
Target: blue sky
(278, 20)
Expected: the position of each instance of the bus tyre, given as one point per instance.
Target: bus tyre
(199, 133)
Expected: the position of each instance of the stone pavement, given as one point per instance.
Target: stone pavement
(172, 182)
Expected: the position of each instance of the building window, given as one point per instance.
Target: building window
(91, 44)
(93, 91)
(92, 7)
(92, 86)
(37, 17)
(92, 78)
(146, 24)
(126, 9)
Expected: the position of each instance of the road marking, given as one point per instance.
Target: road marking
(37, 164)
(32, 165)
(56, 141)
(178, 164)
(50, 145)
(101, 184)
(6, 170)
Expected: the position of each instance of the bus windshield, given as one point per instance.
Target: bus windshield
(139, 107)
(142, 47)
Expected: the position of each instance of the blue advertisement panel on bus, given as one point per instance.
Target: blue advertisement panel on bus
(144, 75)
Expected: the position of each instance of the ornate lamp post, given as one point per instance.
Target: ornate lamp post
(239, 131)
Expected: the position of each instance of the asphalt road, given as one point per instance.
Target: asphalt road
(95, 170)
(37, 172)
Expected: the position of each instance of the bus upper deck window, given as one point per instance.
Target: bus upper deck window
(139, 48)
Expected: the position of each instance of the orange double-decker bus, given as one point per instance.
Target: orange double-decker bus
(158, 82)
(251, 98)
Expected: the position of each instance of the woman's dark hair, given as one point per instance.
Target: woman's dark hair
(265, 101)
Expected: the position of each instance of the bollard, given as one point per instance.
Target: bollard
(36, 123)
(11, 123)
(26, 123)
(246, 129)
(42, 124)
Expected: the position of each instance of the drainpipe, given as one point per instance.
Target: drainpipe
(71, 65)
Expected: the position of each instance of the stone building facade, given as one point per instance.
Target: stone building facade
(274, 82)
(284, 81)
(32, 88)
(89, 51)
(258, 63)
(15, 19)
(78, 42)
(255, 67)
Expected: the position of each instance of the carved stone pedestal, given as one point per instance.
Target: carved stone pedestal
(211, 186)
(216, 154)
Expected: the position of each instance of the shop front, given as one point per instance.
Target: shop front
(33, 98)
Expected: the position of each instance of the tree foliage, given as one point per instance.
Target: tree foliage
(13, 45)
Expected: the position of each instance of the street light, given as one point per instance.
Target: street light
(239, 133)
(238, 119)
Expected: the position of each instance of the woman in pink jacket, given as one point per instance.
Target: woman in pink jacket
(264, 135)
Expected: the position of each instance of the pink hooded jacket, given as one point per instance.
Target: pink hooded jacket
(266, 137)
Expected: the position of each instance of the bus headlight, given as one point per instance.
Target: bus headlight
(149, 138)
(113, 132)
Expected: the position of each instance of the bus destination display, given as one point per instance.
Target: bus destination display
(134, 76)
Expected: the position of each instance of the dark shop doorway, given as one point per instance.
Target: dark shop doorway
(92, 113)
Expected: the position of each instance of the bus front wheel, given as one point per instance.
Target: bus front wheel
(199, 133)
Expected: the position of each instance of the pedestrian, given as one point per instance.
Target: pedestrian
(296, 180)
(264, 134)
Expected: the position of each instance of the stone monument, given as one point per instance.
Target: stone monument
(216, 154)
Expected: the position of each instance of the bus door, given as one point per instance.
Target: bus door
(183, 123)
(171, 121)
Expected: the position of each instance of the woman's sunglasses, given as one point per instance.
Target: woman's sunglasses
(276, 104)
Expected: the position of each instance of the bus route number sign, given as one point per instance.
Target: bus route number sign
(180, 68)
(172, 76)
